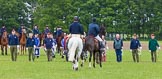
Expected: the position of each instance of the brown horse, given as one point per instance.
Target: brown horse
(4, 42)
(23, 42)
(41, 37)
(58, 40)
(92, 45)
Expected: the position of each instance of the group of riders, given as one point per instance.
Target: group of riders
(74, 38)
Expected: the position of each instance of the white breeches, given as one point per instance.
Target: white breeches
(98, 38)
(75, 44)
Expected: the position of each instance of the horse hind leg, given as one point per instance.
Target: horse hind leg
(6, 50)
(94, 59)
(90, 59)
(2, 49)
(82, 58)
(100, 58)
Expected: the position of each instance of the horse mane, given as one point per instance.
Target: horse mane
(102, 31)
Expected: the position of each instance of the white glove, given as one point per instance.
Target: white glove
(130, 50)
(8, 46)
(18, 46)
(34, 46)
(45, 49)
(159, 48)
(26, 48)
(107, 47)
(140, 48)
(150, 51)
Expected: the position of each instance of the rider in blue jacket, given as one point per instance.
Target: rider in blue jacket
(94, 31)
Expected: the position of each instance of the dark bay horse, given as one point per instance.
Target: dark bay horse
(4, 42)
(41, 37)
(23, 42)
(92, 45)
(58, 40)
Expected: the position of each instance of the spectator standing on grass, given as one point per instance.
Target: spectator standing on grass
(30, 44)
(134, 46)
(153, 45)
(118, 46)
(13, 44)
(48, 44)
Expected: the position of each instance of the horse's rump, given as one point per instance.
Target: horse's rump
(91, 43)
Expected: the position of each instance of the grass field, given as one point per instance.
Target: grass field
(59, 69)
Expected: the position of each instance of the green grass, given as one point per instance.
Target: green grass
(59, 69)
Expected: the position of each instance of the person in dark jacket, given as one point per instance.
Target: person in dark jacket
(94, 30)
(153, 44)
(30, 44)
(35, 30)
(118, 46)
(59, 32)
(13, 44)
(48, 43)
(46, 31)
(134, 45)
(3, 29)
(75, 42)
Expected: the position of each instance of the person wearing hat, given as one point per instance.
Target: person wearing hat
(3, 29)
(48, 44)
(30, 45)
(59, 32)
(35, 30)
(20, 29)
(13, 44)
(93, 30)
(76, 33)
(46, 31)
(134, 45)
(153, 44)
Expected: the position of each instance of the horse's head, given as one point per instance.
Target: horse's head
(4, 35)
(102, 30)
(23, 31)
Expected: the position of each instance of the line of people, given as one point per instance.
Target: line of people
(135, 48)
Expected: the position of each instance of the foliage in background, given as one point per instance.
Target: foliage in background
(119, 16)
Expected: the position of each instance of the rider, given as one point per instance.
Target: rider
(94, 31)
(46, 31)
(76, 31)
(20, 29)
(59, 32)
(35, 30)
(3, 29)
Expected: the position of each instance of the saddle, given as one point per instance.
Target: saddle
(95, 40)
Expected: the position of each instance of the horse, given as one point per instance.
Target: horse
(41, 37)
(75, 45)
(4, 42)
(58, 40)
(23, 42)
(92, 45)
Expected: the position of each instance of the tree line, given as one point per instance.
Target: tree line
(118, 16)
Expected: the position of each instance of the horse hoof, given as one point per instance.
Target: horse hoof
(62, 57)
(81, 65)
(94, 66)
(76, 69)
